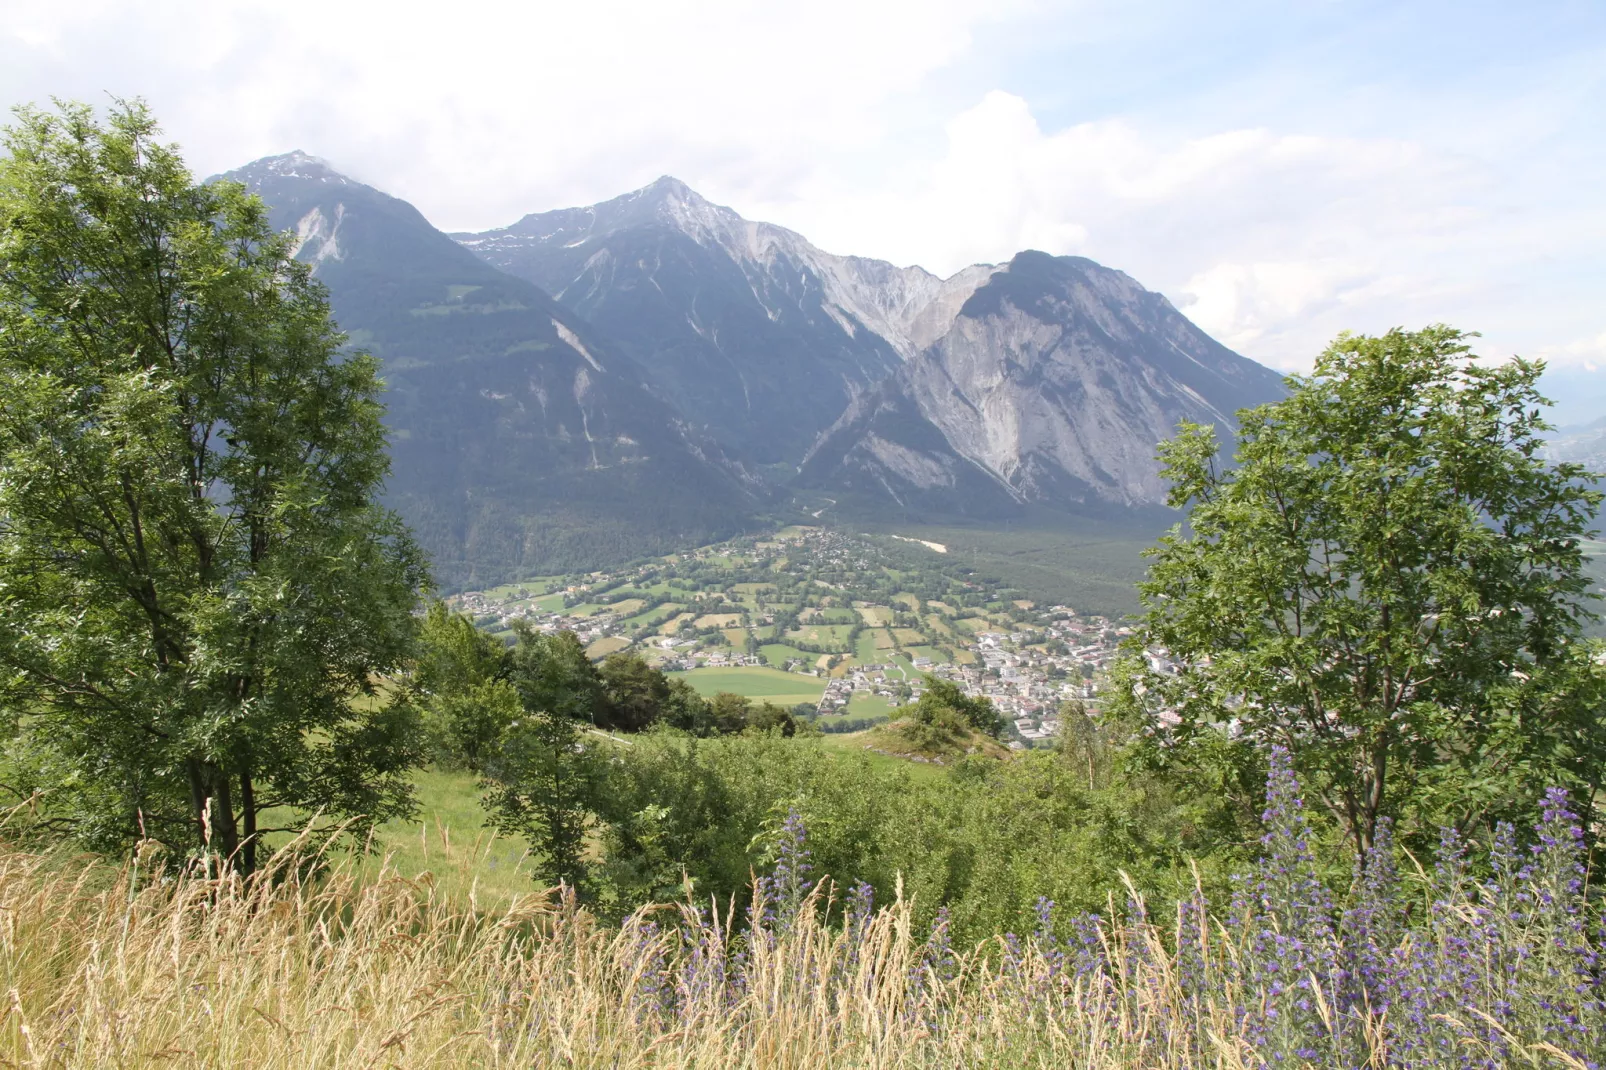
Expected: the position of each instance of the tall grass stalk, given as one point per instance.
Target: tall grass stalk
(133, 966)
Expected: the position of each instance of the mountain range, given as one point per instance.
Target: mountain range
(520, 440)
(596, 383)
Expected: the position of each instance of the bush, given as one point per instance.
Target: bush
(842, 725)
(984, 840)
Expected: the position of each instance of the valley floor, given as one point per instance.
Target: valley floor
(847, 625)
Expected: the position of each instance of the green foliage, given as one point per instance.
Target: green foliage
(459, 684)
(985, 840)
(944, 702)
(844, 725)
(541, 779)
(195, 581)
(686, 710)
(768, 717)
(637, 692)
(1389, 582)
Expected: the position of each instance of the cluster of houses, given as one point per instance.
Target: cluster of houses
(504, 614)
(890, 682)
(685, 660)
(1027, 674)
(1028, 684)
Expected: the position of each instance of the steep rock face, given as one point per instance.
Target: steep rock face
(1052, 386)
(520, 440)
(746, 327)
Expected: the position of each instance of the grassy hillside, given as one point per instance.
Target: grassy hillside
(107, 966)
(939, 744)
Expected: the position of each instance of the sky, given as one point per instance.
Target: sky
(1281, 170)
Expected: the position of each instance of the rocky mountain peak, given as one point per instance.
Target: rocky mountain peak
(747, 327)
(1051, 386)
(666, 202)
(296, 164)
(668, 188)
(1048, 379)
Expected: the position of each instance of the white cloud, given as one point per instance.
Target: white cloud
(481, 112)
(1588, 354)
(867, 125)
(1273, 242)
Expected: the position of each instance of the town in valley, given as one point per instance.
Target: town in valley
(843, 628)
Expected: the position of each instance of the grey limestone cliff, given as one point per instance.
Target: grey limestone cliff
(1052, 385)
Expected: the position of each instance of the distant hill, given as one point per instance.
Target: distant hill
(522, 441)
(1583, 444)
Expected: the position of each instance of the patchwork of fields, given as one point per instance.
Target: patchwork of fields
(809, 616)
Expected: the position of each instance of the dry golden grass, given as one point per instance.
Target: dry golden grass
(672, 625)
(608, 644)
(134, 968)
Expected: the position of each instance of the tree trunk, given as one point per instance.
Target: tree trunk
(248, 814)
(224, 830)
(198, 798)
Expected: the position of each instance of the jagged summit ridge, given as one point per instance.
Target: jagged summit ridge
(747, 327)
(1046, 380)
(1043, 381)
(860, 291)
(1053, 386)
(667, 201)
(295, 164)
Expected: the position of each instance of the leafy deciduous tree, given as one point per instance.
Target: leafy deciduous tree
(1389, 583)
(944, 698)
(195, 580)
(541, 777)
(460, 683)
(636, 691)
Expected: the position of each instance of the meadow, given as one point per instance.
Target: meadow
(137, 966)
(754, 682)
(1084, 562)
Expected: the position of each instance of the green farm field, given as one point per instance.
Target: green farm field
(765, 685)
(821, 633)
(777, 653)
(864, 704)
